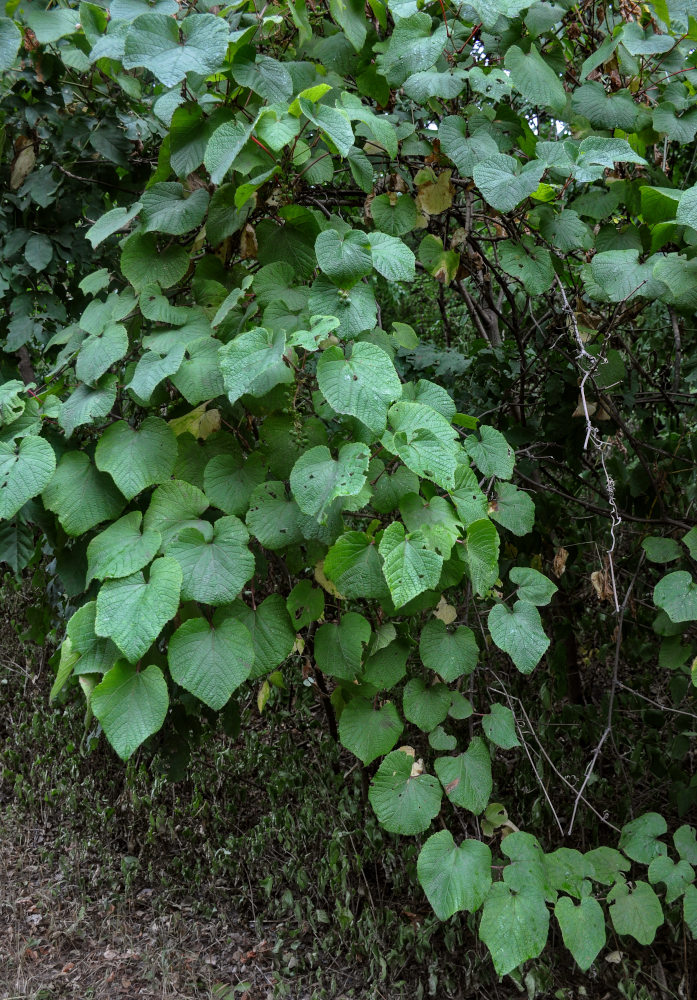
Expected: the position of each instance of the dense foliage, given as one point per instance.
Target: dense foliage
(211, 222)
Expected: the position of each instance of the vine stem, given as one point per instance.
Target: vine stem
(593, 437)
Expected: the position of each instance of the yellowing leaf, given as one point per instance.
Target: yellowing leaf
(436, 197)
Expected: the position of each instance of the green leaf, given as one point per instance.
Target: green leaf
(143, 263)
(514, 925)
(265, 76)
(97, 653)
(121, 549)
(367, 732)
(504, 183)
(16, 544)
(519, 633)
(435, 518)
(637, 913)
(153, 368)
(354, 307)
(111, 222)
(87, 404)
(409, 566)
(449, 654)
(51, 25)
(253, 364)
(80, 495)
(404, 803)
(639, 839)
(425, 705)
(170, 49)
(685, 840)
(229, 482)
(465, 150)
(454, 878)
(424, 440)
(608, 864)
(224, 146)
(12, 406)
(333, 122)
(136, 459)
(354, 565)
(211, 661)
(529, 263)
(499, 726)
(174, 506)
(317, 480)
(133, 612)
(168, 208)
(339, 647)
(567, 870)
(214, 568)
(532, 586)
(26, 468)
(391, 257)
(492, 454)
(676, 594)
(274, 519)
(271, 630)
(10, 40)
(100, 351)
(362, 386)
(676, 876)
(413, 47)
(38, 252)
(394, 213)
(582, 928)
(481, 554)
(345, 259)
(467, 778)
(661, 550)
(386, 666)
(305, 604)
(131, 705)
(535, 79)
(472, 505)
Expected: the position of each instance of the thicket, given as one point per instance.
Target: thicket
(354, 352)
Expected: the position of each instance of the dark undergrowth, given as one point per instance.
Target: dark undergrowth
(261, 872)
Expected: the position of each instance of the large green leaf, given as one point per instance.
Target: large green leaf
(136, 459)
(451, 654)
(224, 146)
(273, 518)
(101, 350)
(253, 363)
(81, 495)
(409, 565)
(534, 78)
(345, 259)
(131, 705)
(636, 912)
(173, 507)
(121, 549)
(499, 726)
(94, 654)
(26, 468)
(454, 878)
(424, 440)
(514, 925)
(425, 705)
(368, 732)
(676, 593)
(405, 800)
(211, 661)
(10, 40)
(362, 386)
(170, 49)
(519, 633)
(354, 565)
(504, 183)
(491, 453)
(271, 630)
(133, 611)
(481, 553)
(339, 647)
(214, 568)
(143, 263)
(639, 839)
(467, 778)
(317, 480)
(513, 509)
(532, 586)
(168, 208)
